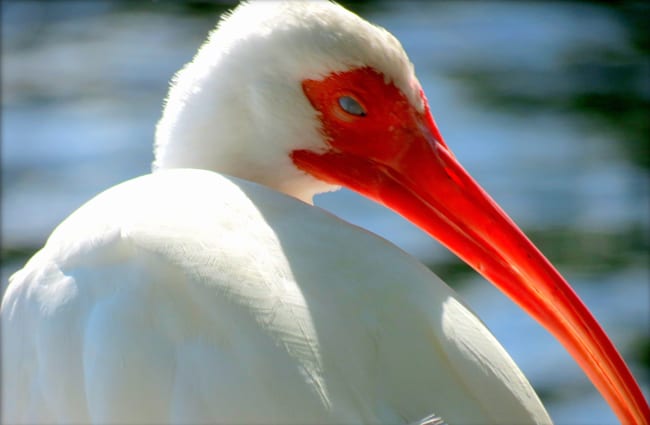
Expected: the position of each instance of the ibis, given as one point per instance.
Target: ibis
(212, 290)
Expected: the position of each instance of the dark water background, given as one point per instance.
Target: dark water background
(546, 104)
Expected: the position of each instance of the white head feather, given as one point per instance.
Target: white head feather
(238, 107)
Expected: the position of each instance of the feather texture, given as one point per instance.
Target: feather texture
(190, 297)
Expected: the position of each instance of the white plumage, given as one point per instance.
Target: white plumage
(155, 303)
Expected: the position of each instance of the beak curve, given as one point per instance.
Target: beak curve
(427, 185)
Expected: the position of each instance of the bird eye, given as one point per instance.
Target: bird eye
(351, 106)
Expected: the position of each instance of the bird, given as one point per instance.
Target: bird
(212, 290)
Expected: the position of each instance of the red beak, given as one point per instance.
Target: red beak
(425, 183)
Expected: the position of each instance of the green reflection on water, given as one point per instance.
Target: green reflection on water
(607, 86)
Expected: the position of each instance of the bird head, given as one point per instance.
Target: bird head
(241, 106)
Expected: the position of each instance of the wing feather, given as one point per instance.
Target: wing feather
(186, 296)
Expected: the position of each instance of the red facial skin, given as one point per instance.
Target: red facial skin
(396, 156)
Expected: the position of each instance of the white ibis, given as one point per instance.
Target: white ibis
(211, 291)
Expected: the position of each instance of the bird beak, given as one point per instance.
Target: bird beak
(426, 184)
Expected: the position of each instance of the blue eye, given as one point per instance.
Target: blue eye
(351, 106)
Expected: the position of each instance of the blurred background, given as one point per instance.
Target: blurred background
(546, 104)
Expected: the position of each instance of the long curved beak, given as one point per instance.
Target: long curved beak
(427, 185)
